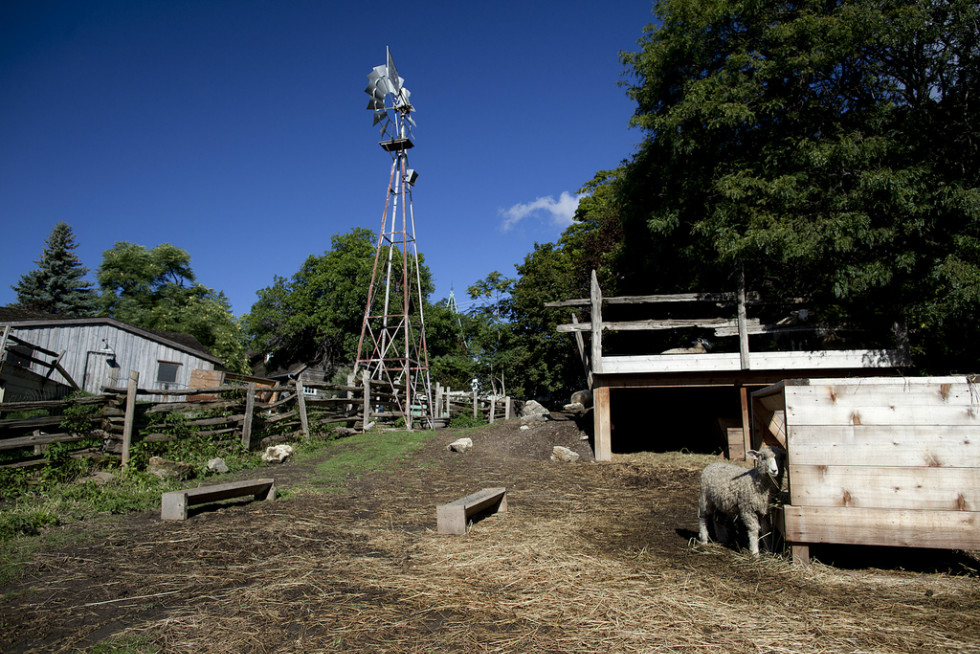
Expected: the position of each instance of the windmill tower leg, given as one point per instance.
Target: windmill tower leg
(392, 345)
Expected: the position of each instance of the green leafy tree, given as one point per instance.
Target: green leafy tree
(156, 289)
(448, 334)
(57, 286)
(829, 147)
(316, 315)
(492, 345)
(546, 362)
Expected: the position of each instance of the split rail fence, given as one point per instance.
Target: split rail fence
(254, 415)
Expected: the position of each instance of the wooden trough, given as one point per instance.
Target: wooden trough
(876, 461)
(174, 505)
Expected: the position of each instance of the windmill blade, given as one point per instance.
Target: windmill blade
(393, 72)
(382, 81)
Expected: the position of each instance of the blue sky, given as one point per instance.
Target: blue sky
(237, 130)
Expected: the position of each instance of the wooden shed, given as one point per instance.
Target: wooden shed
(739, 369)
(876, 461)
(97, 352)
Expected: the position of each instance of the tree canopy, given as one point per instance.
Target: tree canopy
(830, 148)
(57, 286)
(316, 315)
(156, 289)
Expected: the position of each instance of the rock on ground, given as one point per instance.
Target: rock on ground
(560, 453)
(460, 445)
(277, 453)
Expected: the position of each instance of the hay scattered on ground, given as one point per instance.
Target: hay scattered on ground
(589, 557)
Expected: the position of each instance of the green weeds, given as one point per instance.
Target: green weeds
(351, 457)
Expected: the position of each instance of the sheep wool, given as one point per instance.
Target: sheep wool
(731, 490)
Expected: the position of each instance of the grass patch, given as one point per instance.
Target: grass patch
(351, 457)
(126, 644)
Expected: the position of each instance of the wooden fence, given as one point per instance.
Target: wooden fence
(251, 414)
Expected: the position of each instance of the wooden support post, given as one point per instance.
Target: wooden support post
(507, 408)
(602, 423)
(438, 409)
(746, 423)
(493, 408)
(130, 420)
(582, 354)
(801, 554)
(596, 304)
(350, 394)
(743, 333)
(301, 406)
(366, 382)
(476, 405)
(249, 414)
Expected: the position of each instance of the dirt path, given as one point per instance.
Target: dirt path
(590, 557)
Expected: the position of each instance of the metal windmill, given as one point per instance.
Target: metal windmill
(392, 346)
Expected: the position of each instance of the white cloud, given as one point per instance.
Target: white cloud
(559, 212)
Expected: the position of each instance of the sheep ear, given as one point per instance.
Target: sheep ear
(752, 454)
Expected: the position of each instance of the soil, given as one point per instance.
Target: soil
(588, 557)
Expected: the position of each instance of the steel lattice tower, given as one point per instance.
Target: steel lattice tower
(392, 347)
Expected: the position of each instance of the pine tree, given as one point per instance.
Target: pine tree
(56, 285)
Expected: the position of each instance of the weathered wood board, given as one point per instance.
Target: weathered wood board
(878, 461)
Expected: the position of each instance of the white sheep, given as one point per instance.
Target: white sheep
(731, 490)
(701, 346)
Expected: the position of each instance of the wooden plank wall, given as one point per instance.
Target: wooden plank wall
(84, 346)
(881, 461)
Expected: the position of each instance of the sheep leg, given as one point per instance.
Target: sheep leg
(751, 521)
(702, 523)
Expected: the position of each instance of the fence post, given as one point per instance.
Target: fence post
(249, 411)
(366, 380)
(476, 406)
(350, 394)
(438, 408)
(507, 408)
(134, 378)
(301, 405)
(493, 407)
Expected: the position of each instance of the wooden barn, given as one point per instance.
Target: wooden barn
(716, 377)
(876, 461)
(91, 353)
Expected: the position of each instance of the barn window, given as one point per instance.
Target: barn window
(167, 372)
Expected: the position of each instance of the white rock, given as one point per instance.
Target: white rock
(217, 464)
(533, 408)
(460, 445)
(525, 427)
(277, 453)
(583, 397)
(560, 453)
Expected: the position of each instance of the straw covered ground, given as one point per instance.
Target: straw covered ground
(588, 558)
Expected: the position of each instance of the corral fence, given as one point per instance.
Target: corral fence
(255, 415)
